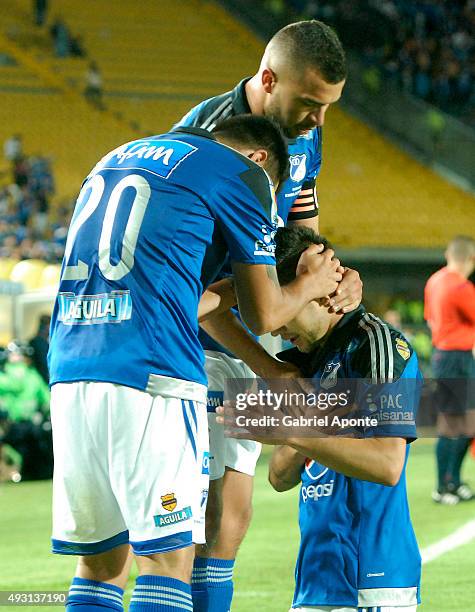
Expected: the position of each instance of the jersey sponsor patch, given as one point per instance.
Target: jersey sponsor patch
(160, 157)
(298, 167)
(214, 399)
(266, 244)
(315, 492)
(112, 307)
(163, 520)
(205, 464)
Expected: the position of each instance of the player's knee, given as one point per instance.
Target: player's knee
(112, 566)
(175, 564)
(243, 517)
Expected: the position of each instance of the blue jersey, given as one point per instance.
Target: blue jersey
(297, 197)
(132, 274)
(358, 546)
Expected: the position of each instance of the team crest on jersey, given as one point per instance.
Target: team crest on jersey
(403, 349)
(169, 501)
(298, 167)
(329, 377)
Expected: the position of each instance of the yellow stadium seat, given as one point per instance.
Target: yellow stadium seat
(6, 267)
(28, 272)
(50, 275)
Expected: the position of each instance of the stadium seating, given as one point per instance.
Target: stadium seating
(157, 60)
(6, 267)
(29, 273)
(50, 276)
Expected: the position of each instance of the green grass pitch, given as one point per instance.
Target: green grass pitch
(264, 570)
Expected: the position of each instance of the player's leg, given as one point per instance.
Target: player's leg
(216, 594)
(236, 515)
(241, 459)
(465, 404)
(169, 516)
(86, 518)
(455, 423)
(163, 584)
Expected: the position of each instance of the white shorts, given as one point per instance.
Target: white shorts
(239, 455)
(128, 468)
(339, 609)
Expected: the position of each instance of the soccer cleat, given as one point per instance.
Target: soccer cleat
(445, 498)
(464, 492)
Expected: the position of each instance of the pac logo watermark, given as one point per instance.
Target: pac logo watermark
(169, 501)
(162, 520)
(298, 167)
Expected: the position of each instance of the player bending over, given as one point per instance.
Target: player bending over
(302, 72)
(128, 397)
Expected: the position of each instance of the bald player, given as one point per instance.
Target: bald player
(302, 72)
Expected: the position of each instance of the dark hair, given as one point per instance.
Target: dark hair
(258, 133)
(313, 44)
(291, 242)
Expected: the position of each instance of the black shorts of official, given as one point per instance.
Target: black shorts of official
(454, 392)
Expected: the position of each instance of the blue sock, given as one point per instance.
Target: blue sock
(220, 585)
(199, 585)
(160, 594)
(90, 595)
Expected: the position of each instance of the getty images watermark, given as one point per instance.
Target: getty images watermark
(288, 408)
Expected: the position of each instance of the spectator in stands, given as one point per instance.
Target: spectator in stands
(13, 148)
(39, 347)
(93, 91)
(40, 8)
(77, 46)
(450, 314)
(426, 47)
(61, 39)
(24, 402)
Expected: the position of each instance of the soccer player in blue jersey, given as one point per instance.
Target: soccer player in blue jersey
(128, 397)
(358, 550)
(302, 72)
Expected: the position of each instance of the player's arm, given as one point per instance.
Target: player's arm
(265, 305)
(312, 223)
(285, 467)
(227, 329)
(378, 460)
(466, 303)
(304, 210)
(218, 298)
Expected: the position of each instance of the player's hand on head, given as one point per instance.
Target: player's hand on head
(322, 268)
(349, 293)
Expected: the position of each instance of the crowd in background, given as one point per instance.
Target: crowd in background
(426, 46)
(26, 190)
